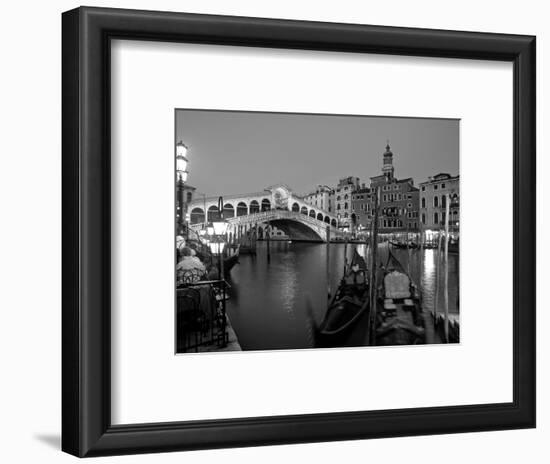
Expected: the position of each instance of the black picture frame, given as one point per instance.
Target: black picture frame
(86, 400)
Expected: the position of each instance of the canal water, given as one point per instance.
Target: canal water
(271, 301)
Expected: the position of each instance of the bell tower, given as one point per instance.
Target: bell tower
(387, 166)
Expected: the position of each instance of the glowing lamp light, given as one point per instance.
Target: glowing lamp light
(181, 149)
(220, 227)
(181, 164)
(202, 232)
(216, 247)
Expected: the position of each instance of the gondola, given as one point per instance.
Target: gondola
(403, 246)
(231, 260)
(454, 246)
(348, 305)
(399, 307)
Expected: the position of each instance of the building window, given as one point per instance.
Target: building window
(346, 205)
(423, 188)
(435, 187)
(385, 198)
(338, 206)
(442, 186)
(436, 201)
(423, 202)
(443, 201)
(423, 218)
(443, 217)
(436, 219)
(409, 205)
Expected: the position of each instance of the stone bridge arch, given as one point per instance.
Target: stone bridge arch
(275, 198)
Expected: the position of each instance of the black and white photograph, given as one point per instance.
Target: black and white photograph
(300, 231)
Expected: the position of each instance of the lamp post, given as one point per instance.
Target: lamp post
(217, 240)
(181, 178)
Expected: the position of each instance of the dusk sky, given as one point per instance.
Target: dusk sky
(242, 152)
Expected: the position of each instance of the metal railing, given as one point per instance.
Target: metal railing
(201, 320)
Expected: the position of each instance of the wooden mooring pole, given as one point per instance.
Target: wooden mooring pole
(437, 273)
(268, 229)
(371, 330)
(328, 262)
(446, 276)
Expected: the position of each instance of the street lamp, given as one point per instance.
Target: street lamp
(181, 160)
(181, 176)
(216, 232)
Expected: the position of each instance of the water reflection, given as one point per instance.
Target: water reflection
(268, 300)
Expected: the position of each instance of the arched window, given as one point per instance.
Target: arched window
(242, 209)
(254, 207)
(213, 214)
(333, 223)
(443, 201)
(266, 204)
(228, 211)
(327, 219)
(346, 205)
(296, 207)
(423, 202)
(197, 215)
(304, 210)
(319, 217)
(436, 201)
(312, 213)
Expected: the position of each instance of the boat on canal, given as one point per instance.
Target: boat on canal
(403, 245)
(346, 308)
(399, 316)
(232, 258)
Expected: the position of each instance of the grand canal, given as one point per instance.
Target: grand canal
(269, 299)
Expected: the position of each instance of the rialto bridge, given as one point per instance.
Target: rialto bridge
(277, 206)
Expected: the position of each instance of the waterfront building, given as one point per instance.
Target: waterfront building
(361, 209)
(185, 195)
(399, 199)
(342, 200)
(322, 197)
(434, 195)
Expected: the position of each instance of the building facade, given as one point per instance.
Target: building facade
(322, 197)
(434, 195)
(343, 199)
(361, 209)
(399, 199)
(184, 196)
